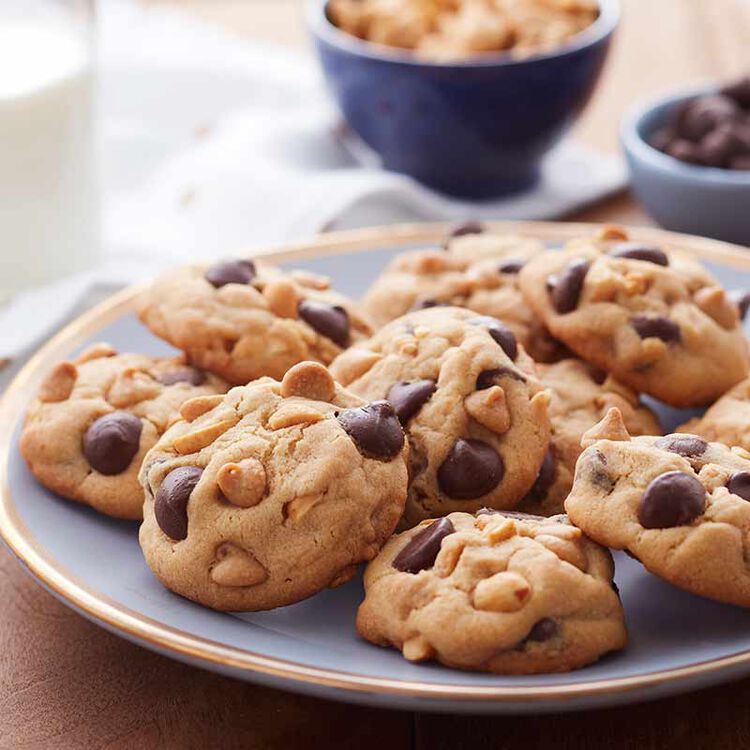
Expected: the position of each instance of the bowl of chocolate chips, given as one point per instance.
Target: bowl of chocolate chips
(689, 160)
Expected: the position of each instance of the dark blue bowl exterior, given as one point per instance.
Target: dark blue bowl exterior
(472, 131)
(682, 197)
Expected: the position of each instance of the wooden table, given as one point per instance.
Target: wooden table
(65, 683)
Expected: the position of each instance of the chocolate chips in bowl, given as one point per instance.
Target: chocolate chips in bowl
(711, 130)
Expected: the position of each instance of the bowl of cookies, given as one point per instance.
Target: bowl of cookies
(466, 96)
(463, 470)
(689, 160)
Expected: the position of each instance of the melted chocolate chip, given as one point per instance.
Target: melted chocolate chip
(672, 499)
(739, 91)
(408, 398)
(423, 547)
(656, 328)
(511, 266)
(501, 334)
(544, 479)
(375, 430)
(191, 375)
(567, 287)
(472, 469)
(112, 441)
(424, 304)
(593, 462)
(636, 251)
(742, 299)
(739, 484)
(488, 378)
(467, 227)
(688, 446)
(331, 321)
(544, 630)
(231, 272)
(170, 504)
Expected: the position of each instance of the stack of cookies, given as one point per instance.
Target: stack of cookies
(480, 392)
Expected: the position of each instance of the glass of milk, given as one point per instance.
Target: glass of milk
(49, 212)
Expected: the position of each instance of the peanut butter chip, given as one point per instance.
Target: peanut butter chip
(242, 483)
(282, 298)
(713, 300)
(309, 380)
(198, 406)
(132, 387)
(489, 407)
(199, 439)
(58, 385)
(95, 351)
(612, 427)
(236, 567)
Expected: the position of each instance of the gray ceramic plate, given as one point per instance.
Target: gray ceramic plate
(678, 642)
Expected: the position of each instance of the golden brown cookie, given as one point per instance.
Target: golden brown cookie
(243, 320)
(95, 417)
(497, 592)
(277, 490)
(466, 393)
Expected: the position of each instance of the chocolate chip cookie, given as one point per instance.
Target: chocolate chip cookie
(465, 391)
(95, 417)
(497, 592)
(265, 496)
(242, 319)
(727, 420)
(656, 320)
(581, 396)
(475, 270)
(679, 504)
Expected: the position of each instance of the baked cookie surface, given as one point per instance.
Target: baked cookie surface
(243, 320)
(679, 504)
(95, 417)
(580, 397)
(496, 592)
(266, 496)
(474, 413)
(656, 320)
(475, 270)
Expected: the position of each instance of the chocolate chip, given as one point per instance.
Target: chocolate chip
(112, 441)
(501, 334)
(594, 463)
(657, 328)
(488, 378)
(688, 446)
(636, 251)
(191, 375)
(742, 161)
(331, 321)
(408, 398)
(423, 547)
(511, 266)
(567, 287)
(472, 469)
(424, 304)
(672, 499)
(719, 146)
(467, 227)
(544, 630)
(739, 91)
(742, 299)
(170, 505)
(544, 478)
(739, 484)
(662, 137)
(699, 116)
(231, 272)
(685, 151)
(375, 430)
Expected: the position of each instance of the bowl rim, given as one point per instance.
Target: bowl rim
(321, 27)
(634, 142)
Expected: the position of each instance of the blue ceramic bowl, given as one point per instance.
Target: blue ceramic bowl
(477, 128)
(684, 197)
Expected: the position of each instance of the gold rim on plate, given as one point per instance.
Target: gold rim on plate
(180, 643)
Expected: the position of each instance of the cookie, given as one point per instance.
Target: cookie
(679, 504)
(243, 320)
(266, 496)
(475, 270)
(727, 420)
(496, 592)
(465, 391)
(656, 320)
(581, 396)
(95, 417)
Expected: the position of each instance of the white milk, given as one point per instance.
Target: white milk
(48, 192)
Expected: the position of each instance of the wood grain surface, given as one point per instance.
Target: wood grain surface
(65, 683)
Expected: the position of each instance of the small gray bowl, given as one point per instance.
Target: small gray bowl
(684, 197)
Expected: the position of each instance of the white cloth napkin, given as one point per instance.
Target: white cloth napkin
(212, 144)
